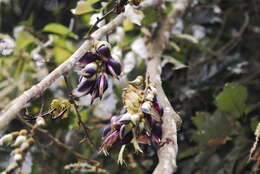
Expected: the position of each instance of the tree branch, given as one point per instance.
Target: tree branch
(171, 120)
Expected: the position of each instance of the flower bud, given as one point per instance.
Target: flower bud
(102, 47)
(25, 145)
(23, 132)
(87, 58)
(84, 87)
(113, 68)
(104, 51)
(19, 140)
(89, 70)
(18, 157)
(146, 107)
(102, 84)
(6, 139)
(40, 121)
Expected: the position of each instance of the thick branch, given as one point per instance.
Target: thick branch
(171, 120)
(9, 112)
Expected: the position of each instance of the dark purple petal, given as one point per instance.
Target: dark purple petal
(110, 70)
(113, 67)
(116, 65)
(104, 51)
(158, 108)
(127, 138)
(80, 78)
(85, 86)
(106, 130)
(122, 131)
(155, 139)
(87, 72)
(88, 57)
(110, 139)
(157, 130)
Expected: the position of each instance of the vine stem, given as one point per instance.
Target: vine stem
(75, 106)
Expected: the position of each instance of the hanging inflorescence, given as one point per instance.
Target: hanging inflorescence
(21, 142)
(140, 123)
(96, 65)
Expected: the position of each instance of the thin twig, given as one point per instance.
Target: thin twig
(57, 141)
(96, 23)
(75, 106)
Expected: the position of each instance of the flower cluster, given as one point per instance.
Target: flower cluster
(96, 65)
(141, 123)
(21, 141)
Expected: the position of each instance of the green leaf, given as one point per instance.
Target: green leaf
(232, 100)
(151, 16)
(211, 129)
(189, 152)
(83, 7)
(60, 54)
(200, 119)
(250, 107)
(23, 40)
(59, 29)
(63, 43)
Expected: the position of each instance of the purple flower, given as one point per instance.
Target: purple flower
(157, 106)
(89, 70)
(88, 57)
(102, 84)
(95, 66)
(110, 139)
(85, 86)
(104, 51)
(113, 67)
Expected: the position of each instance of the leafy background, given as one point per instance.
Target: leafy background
(210, 74)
